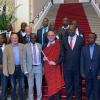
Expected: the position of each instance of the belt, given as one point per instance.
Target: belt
(35, 65)
(17, 65)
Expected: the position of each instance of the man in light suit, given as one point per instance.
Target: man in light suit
(72, 51)
(12, 66)
(32, 66)
(90, 67)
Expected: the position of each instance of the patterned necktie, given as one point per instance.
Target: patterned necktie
(34, 54)
(71, 38)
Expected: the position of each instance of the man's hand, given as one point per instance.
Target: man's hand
(98, 77)
(52, 63)
(27, 75)
(83, 76)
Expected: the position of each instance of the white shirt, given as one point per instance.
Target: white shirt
(8, 34)
(23, 33)
(73, 40)
(50, 43)
(38, 54)
(77, 31)
(3, 47)
(65, 28)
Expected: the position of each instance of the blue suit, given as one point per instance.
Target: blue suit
(90, 69)
(71, 63)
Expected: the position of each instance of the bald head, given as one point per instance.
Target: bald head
(33, 38)
(51, 36)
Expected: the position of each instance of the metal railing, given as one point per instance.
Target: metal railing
(38, 15)
(97, 3)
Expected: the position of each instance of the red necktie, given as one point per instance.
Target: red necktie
(34, 54)
(71, 38)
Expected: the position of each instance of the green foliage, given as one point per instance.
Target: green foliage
(7, 16)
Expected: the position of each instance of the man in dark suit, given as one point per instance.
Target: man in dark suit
(64, 30)
(41, 36)
(72, 45)
(90, 67)
(78, 31)
(9, 30)
(21, 32)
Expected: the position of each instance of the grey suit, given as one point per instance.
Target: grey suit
(34, 71)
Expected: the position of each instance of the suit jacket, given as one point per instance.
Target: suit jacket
(81, 33)
(87, 62)
(22, 39)
(8, 59)
(39, 36)
(71, 58)
(27, 57)
(62, 33)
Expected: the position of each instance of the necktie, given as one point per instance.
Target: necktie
(71, 38)
(34, 54)
(43, 36)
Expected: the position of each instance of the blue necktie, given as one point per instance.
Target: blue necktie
(43, 36)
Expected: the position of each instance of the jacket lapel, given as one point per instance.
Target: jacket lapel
(11, 53)
(76, 42)
(30, 50)
(94, 52)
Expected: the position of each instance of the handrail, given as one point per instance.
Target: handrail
(41, 11)
(97, 4)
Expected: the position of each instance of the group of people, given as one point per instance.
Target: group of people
(58, 54)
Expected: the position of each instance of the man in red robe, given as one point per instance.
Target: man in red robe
(52, 66)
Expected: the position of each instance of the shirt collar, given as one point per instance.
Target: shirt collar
(65, 27)
(92, 45)
(52, 42)
(14, 45)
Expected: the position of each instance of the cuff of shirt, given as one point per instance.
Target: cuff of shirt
(26, 72)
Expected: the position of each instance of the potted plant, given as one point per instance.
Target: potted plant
(7, 13)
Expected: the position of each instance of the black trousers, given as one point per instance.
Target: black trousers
(73, 81)
(55, 96)
(92, 89)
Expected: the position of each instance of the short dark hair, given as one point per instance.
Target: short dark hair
(33, 34)
(12, 33)
(94, 34)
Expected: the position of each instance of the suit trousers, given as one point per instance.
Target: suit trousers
(92, 89)
(36, 73)
(72, 80)
(18, 74)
